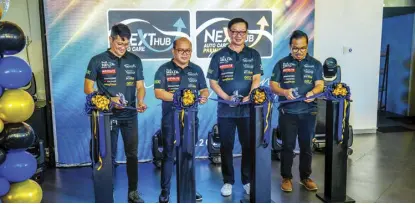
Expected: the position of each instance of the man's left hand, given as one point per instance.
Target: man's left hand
(245, 99)
(309, 94)
(141, 107)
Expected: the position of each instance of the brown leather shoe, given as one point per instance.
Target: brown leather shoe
(309, 184)
(286, 185)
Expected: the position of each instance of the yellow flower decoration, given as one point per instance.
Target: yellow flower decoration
(101, 102)
(188, 98)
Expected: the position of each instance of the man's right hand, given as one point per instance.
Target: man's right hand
(116, 100)
(228, 98)
(288, 93)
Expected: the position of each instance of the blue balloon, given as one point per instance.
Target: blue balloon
(14, 73)
(19, 166)
(4, 186)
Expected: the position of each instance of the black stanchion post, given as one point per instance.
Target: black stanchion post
(102, 168)
(335, 175)
(260, 158)
(186, 186)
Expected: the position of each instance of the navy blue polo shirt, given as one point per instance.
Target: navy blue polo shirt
(115, 75)
(234, 72)
(291, 73)
(171, 77)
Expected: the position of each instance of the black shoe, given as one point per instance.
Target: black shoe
(198, 196)
(133, 197)
(164, 196)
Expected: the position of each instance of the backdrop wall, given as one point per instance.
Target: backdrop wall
(356, 24)
(78, 30)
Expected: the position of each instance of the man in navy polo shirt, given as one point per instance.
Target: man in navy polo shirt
(171, 76)
(234, 71)
(297, 75)
(117, 71)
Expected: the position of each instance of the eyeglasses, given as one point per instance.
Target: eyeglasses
(181, 51)
(296, 49)
(240, 33)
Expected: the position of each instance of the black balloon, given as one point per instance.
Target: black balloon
(2, 156)
(17, 136)
(12, 38)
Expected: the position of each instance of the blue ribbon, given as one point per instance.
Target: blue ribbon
(101, 136)
(180, 112)
(327, 94)
(340, 121)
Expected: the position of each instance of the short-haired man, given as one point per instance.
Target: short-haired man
(297, 75)
(173, 75)
(234, 71)
(117, 71)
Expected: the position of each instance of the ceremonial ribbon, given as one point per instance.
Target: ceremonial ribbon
(95, 119)
(183, 100)
(336, 92)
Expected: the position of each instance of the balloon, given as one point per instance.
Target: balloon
(4, 6)
(1, 91)
(4, 186)
(16, 106)
(2, 156)
(1, 126)
(19, 166)
(14, 72)
(12, 38)
(24, 192)
(17, 136)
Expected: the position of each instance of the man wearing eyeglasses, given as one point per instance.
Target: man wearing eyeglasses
(171, 76)
(234, 71)
(297, 75)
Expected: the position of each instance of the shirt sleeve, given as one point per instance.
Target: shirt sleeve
(318, 74)
(213, 70)
(202, 80)
(276, 73)
(139, 73)
(92, 70)
(160, 79)
(258, 64)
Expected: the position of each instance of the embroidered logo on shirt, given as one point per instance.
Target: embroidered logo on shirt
(108, 71)
(173, 79)
(226, 66)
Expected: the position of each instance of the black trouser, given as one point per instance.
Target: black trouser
(167, 131)
(227, 138)
(292, 125)
(129, 132)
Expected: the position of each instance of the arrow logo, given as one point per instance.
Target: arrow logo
(179, 25)
(262, 23)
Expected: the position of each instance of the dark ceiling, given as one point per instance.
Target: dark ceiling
(397, 11)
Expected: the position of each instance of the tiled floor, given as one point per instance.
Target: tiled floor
(381, 169)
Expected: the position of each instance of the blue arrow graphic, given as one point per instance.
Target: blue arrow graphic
(179, 25)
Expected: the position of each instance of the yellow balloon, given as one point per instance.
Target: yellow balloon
(24, 192)
(1, 126)
(16, 106)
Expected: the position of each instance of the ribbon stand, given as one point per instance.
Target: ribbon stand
(185, 133)
(101, 157)
(260, 130)
(335, 175)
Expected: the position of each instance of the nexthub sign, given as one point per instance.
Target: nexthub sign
(152, 32)
(212, 30)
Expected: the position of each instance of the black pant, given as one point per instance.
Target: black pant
(292, 125)
(167, 131)
(129, 132)
(227, 138)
